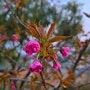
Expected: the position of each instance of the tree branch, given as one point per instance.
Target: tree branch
(82, 85)
(25, 80)
(19, 79)
(11, 61)
(16, 17)
(43, 81)
(79, 58)
(22, 83)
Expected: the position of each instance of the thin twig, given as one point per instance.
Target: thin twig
(12, 62)
(79, 57)
(82, 85)
(25, 80)
(22, 83)
(60, 72)
(43, 81)
(10, 59)
(19, 79)
(16, 17)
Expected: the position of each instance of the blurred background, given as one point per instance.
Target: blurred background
(70, 21)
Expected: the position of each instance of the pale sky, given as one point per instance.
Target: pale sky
(86, 21)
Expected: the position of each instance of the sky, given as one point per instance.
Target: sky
(86, 8)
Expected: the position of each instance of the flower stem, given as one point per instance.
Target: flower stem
(43, 81)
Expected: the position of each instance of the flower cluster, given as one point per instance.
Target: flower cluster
(34, 47)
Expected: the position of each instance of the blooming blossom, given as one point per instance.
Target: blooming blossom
(64, 51)
(36, 66)
(32, 47)
(14, 37)
(56, 66)
(12, 86)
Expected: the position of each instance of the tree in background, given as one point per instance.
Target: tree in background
(68, 16)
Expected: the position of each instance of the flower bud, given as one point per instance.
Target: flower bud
(36, 66)
(12, 86)
(64, 51)
(14, 37)
(56, 65)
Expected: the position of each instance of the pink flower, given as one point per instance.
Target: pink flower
(2, 37)
(6, 7)
(36, 66)
(14, 37)
(55, 57)
(64, 51)
(32, 47)
(56, 65)
(12, 86)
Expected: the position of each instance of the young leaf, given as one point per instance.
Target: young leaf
(57, 38)
(51, 30)
(33, 30)
(41, 31)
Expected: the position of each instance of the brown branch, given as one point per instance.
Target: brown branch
(10, 59)
(22, 83)
(19, 79)
(25, 80)
(82, 85)
(60, 73)
(43, 81)
(16, 17)
(79, 57)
